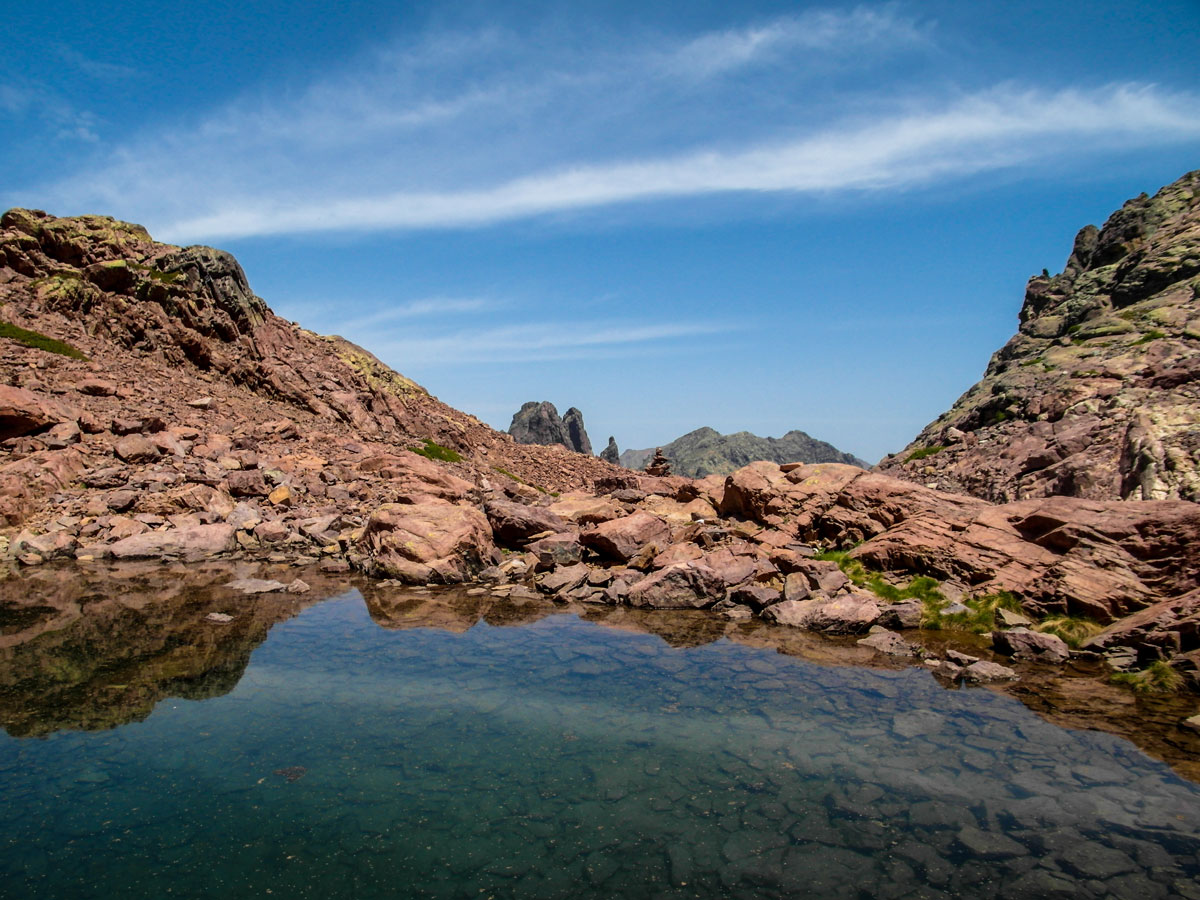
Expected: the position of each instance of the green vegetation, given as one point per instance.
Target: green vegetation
(923, 452)
(436, 451)
(979, 617)
(921, 588)
(156, 274)
(38, 341)
(1074, 630)
(1156, 678)
(1152, 335)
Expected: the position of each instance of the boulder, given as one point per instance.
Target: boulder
(190, 544)
(515, 523)
(849, 613)
(23, 413)
(247, 483)
(430, 542)
(564, 579)
(136, 448)
(681, 586)
(984, 672)
(562, 549)
(621, 539)
(905, 614)
(586, 509)
(1022, 643)
(256, 586)
(96, 387)
(1167, 627)
(888, 643)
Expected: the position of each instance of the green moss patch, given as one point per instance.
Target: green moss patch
(432, 450)
(1152, 335)
(38, 341)
(923, 452)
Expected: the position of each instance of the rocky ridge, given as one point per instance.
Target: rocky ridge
(705, 452)
(1098, 393)
(245, 437)
(540, 423)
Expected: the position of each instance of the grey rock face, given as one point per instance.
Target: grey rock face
(577, 434)
(540, 423)
(611, 453)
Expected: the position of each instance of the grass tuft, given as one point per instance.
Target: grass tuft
(1156, 678)
(1074, 630)
(980, 616)
(433, 450)
(923, 452)
(1152, 335)
(38, 341)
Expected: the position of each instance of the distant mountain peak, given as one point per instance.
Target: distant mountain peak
(705, 451)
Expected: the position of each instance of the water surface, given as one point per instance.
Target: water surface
(560, 758)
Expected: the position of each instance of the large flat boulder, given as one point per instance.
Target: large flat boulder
(24, 412)
(850, 613)
(431, 542)
(686, 585)
(190, 544)
(1171, 625)
(622, 539)
(515, 523)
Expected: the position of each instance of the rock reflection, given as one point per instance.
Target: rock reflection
(93, 648)
(89, 649)
(1079, 696)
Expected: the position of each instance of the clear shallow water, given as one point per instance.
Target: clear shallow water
(563, 759)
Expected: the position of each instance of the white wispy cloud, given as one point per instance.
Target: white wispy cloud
(468, 130)
(428, 307)
(484, 108)
(543, 341)
(825, 31)
(987, 131)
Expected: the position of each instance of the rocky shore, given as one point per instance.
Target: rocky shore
(155, 409)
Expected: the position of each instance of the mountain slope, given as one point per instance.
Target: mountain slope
(106, 332)
(1098, 393)
(705, 451)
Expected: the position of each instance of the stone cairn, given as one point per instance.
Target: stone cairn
(660, 465)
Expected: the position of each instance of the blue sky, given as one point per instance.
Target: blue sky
(754, 216)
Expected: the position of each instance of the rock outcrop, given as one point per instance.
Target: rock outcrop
(706, 452)
(147, 389)
(539, 423)
(576, 434)
(1098, 393)
(611, 453)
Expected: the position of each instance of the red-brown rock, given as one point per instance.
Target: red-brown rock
(621, 539)
(681, 586)
(515, 523)
(430, 542)
(24, 412)
(188, 544)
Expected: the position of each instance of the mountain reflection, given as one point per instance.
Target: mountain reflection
(96, 648)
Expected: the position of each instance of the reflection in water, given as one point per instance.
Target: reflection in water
(443, 756)
(96, 648)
